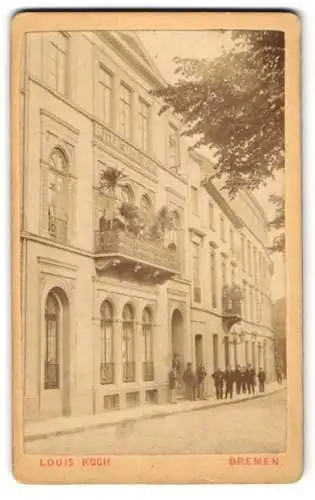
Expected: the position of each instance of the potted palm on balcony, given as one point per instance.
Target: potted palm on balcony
(110, 179)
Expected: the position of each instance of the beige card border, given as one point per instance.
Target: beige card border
(185, 469)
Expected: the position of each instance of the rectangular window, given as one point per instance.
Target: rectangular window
(111, 402)
(213, 281)
(196, 272)
(125, 111)
(173, 148)
(233, 275)
(226, 352)
(254, 355)
(144, 110)
(222, 227)
(258, 308)
(232, 246)
(211, 215)
(194, 200)
(243, 259)
(104, 95)
(215, 340)
(151, 396)
(255, 262)
(251, 304)
(245, 312)
(246, 352)
(58, 62)
(224, 281)
(249, 257)
(261, 269)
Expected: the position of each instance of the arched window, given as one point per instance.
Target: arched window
(58, 161)
(174, 231)
(146, 205)
(128, 344)
(58, 195)
(107, 365)
(127, 195)
(147, 333)
(52, 326)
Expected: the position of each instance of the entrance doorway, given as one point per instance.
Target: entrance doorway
(177, 339)
(198, 350)
(55, 386)
(177, 326)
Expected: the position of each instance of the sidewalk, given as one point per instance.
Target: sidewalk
(69, 425)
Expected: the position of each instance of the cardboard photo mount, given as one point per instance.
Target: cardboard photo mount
(179, 469)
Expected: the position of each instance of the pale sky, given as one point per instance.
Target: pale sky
(163, 47)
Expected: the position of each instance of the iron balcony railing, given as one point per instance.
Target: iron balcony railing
(148, 371)
(231, 301)
(116, 242)
(51, 379)
(129, 371)
(107, 373)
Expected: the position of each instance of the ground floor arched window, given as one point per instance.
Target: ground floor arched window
(107, 351)
(147, 335)
(129, 369)
(52, 334)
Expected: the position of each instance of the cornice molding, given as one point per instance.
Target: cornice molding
(56, 263)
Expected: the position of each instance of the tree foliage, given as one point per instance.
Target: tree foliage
(234, 104)
(278, 223)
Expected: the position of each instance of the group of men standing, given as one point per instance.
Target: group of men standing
(243, 379)
(194, 382)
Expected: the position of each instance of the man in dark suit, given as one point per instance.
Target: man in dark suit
(229, 381)
(251, 380)
(243, 379)
(218, 377)
(238, 379)
(261, 378)
(190, 379)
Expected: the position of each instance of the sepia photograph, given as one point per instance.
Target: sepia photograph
(153, 244)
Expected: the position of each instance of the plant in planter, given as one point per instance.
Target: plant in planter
(132, 218)
(110, 179)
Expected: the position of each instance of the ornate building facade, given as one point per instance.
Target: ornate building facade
(104, 310)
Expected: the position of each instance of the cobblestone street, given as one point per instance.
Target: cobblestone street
(257, 426)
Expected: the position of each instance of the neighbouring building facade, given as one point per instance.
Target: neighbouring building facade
(105, 311)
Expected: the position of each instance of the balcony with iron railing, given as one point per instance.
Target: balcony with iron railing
(51, 375)
(231, 305)
(129, 371)
(126, 254)
(148, 371)
(107, 373)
